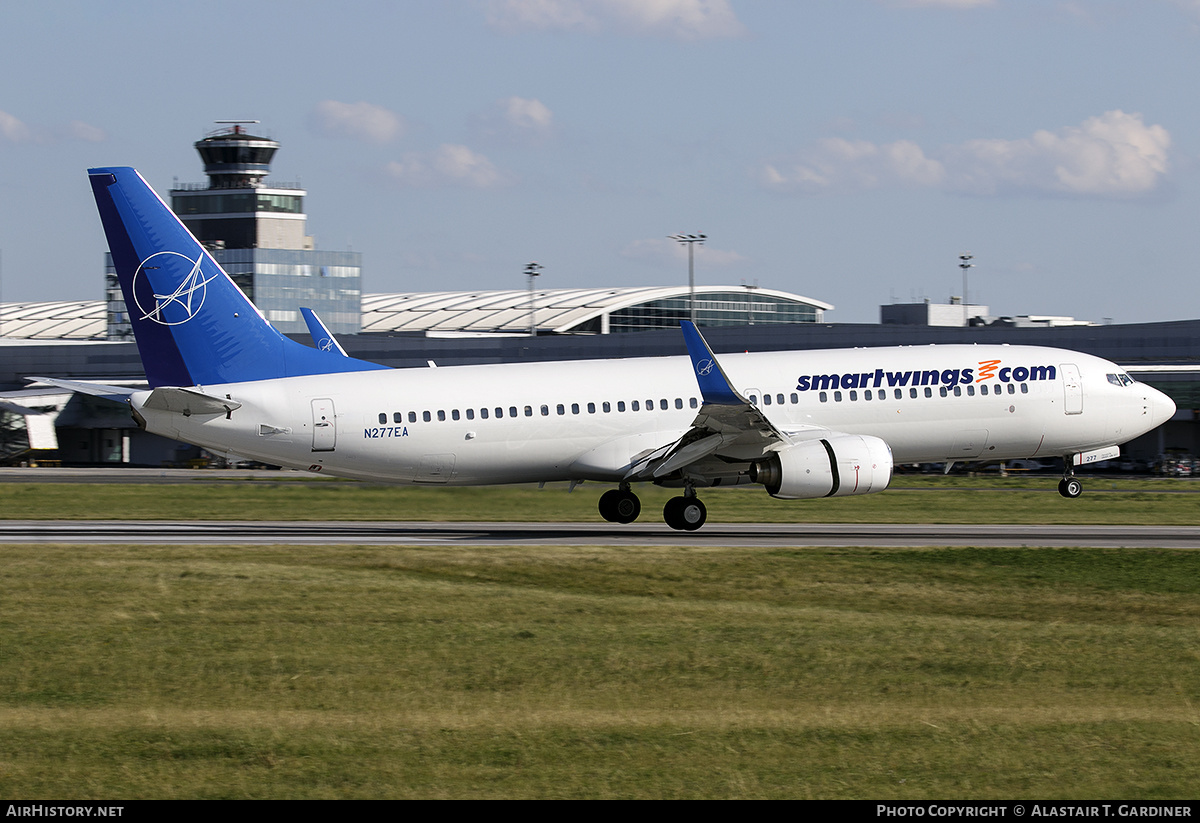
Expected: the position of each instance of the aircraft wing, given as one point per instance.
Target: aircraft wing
(727, 430)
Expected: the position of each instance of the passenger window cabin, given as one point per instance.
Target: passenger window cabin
(665, 404)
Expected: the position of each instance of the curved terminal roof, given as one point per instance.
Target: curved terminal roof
(557, 311)
(55, 320)
(566, 311)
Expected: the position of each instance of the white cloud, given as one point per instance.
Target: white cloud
(840, 164)
(516, 120)
(679, 19)
(357, 121)
(1113, 155)
(12, 129)
(524, 113)
(79, 130)
(448, 165)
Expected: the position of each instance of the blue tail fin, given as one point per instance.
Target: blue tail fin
(192, 324)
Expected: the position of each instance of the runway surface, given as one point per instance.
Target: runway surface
(776, 535)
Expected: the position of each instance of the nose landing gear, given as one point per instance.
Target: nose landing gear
(1069, 486)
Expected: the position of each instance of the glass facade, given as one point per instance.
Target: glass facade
(278, 282)
(235, 202)
(712, 309)
(245, 150)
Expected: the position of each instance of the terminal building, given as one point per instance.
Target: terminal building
(583, 311)
(955, 313)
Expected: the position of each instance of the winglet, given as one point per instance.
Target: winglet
(322, 337)
(714, 384)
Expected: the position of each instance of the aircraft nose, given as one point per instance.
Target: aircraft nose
(1162, 408)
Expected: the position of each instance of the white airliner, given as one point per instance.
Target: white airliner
(804, 424)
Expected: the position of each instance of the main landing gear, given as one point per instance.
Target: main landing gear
(685, 513)
(620, 505)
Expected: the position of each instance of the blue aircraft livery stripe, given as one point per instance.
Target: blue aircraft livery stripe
(193, 325)
(714, 385)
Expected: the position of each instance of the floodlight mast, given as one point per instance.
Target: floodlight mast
(965, 265)
(690, 240)
(532, 270)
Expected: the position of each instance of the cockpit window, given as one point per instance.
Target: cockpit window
(1120, 379)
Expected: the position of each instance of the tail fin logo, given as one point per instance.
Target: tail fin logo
(171, 308)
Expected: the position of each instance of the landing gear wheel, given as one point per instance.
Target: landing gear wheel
(1070, 487)
(685, 513)
(620, 506)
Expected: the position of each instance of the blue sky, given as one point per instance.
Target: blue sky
(848, 150)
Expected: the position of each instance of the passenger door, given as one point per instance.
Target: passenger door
(324, 425)
(1072, 389)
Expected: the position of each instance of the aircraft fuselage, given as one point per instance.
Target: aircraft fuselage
(579, 420)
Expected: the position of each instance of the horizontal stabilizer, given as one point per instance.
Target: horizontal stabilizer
(117, 393)
(188, 402)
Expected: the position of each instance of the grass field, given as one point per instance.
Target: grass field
(912, 499)
(289, 671)
(598, 672)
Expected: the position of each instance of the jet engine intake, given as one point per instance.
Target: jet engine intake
(836, 466)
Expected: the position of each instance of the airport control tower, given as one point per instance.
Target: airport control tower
(236, 209)
(256, 230)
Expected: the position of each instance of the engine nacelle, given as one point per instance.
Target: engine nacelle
(836, 466)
